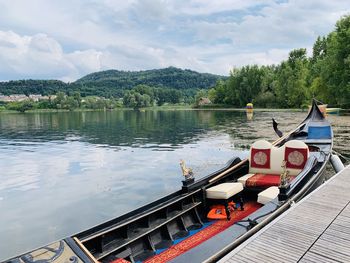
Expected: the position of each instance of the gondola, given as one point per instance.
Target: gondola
(208, 217)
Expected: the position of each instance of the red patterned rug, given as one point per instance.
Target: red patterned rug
(120, 260)
(203, 235)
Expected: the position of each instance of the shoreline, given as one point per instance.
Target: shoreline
(155, 108)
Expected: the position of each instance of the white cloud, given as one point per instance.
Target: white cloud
(293, 24)
(84, 61)
(207, 7)
(66, 40)
(40, 56)
(151, 9)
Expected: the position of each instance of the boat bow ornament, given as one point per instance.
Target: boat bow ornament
(285, 177)
(186, 171)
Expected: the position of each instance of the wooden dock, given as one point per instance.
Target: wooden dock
(317, 229)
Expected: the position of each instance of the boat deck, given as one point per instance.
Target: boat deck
(317, 229)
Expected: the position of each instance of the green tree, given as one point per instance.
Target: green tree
(44, 104)
(145, 89)
(161, 96)
(218, 93)
(336, 64)
(20, 106)
(291, 84)
(266, 96)
(77, 98)
(174, 96)
(243, 85)
(59, 101)
(70, 103)
(136, 100)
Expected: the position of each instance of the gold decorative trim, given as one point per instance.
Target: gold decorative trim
(87, 252)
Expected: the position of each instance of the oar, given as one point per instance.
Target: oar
(288, 134)
(246, 160)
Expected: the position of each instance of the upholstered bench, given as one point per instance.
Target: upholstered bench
(243, 179)
(224, 193)
(265, 163)
(268, 194)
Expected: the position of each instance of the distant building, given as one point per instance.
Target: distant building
(204, 101)
(36, 97)
(21, 97)
(13, 97)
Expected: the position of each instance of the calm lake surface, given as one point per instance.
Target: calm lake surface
(61, 173)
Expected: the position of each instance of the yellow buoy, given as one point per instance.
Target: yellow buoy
(249, 107)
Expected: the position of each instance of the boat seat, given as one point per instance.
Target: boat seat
(296, 154)
(268, 194)
(319, 132)
(265, 161)
(223, 194)
(243, 179)
(262, 181)
(224, 191)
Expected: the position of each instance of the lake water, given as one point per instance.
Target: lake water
(61, 173)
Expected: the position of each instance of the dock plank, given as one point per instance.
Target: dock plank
(316, 258)
(335, 239)
(317, 229)
(330, 246)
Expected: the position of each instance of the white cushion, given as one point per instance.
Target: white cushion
(277, 157)
(244, 178)
(268, 194)
(224, 191)
(297, 145)
(276, 160)
(261, 144)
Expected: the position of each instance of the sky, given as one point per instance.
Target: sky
(65, 40)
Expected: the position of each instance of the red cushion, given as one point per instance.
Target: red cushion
(264, 180)
(296, 157)
(260, 158)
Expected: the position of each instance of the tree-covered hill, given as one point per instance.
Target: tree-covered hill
(170, 77)
(114, 82)
(30, 86)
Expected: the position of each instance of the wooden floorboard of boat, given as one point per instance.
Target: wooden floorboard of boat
(318, 227)
(128, 221)
(144, 232)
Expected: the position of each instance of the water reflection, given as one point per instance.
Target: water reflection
(64, 172)
(117, 128)
(250, 115)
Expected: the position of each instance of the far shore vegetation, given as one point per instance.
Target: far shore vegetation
(324, 75)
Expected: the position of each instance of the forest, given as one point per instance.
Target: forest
(114, 83)
(324, 74)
